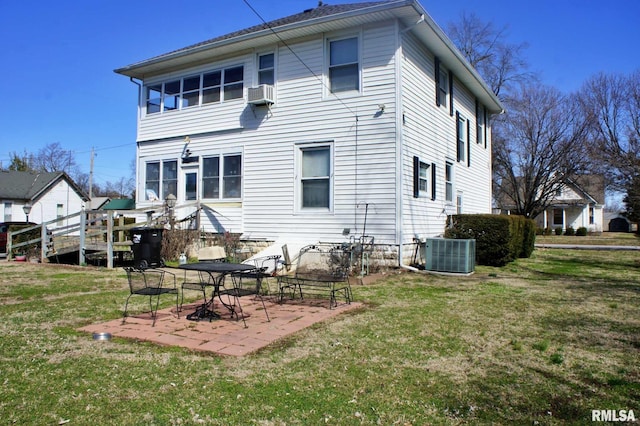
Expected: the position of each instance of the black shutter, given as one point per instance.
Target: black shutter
(436, 63)
(451, 93)
(433, 181)
(477, 121)
(458, 150)
(416, 177)
(468, 143)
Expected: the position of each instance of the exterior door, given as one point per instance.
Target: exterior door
(190, 189)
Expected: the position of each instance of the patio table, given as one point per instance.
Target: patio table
(217, 271)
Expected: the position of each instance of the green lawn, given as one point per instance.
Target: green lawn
(602, 239)
(541, 341)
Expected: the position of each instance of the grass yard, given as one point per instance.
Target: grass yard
(602, 239)
(541, 341)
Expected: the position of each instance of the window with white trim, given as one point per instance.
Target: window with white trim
(8, 209)
(480, 120)
(558, 217)
(266, 69)
(209, 87)
(459, 203)
(315, 182)
(461, 136)
(448, 181)
(344, 65)
(161, 179)
(225, 185)
(443, 86)
(59, 214)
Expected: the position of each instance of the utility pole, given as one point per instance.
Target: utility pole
(91, 175)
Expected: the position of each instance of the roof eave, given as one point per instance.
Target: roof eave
(454, 60)
(427, 30)
(180, 57)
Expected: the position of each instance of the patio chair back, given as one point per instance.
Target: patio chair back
(323, 262)
(150, 283)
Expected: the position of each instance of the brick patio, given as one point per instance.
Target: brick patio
(225, 336)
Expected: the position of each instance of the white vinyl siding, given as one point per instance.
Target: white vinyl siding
(430, 133)
(370, 147)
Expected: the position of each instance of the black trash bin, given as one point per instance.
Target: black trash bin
(147, 244)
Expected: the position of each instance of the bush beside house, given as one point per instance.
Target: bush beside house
(500, 239)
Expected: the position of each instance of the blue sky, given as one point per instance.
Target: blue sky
(58, 58)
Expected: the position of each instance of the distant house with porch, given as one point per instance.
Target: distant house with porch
(578, 202)
(335, 122)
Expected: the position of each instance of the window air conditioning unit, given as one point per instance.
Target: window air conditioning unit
(260, 95)
(450, 255)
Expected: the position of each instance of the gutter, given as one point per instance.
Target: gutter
(131, 79)
(400, 148)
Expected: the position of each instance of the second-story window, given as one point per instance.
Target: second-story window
(206, 88)
(266, 69)
(344, 68)
(443, 86)
(233, 83)
(461, 136)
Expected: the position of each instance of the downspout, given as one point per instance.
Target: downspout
(137, 126)
(139, 94)
(399, 148)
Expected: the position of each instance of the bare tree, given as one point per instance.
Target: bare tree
(501, 64)
(122, 188)
(53, 158)
(537, 145)
(612, 103)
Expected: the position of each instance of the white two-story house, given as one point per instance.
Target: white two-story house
(342, 120)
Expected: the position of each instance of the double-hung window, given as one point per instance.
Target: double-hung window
(420, 178)
(448, 182)
(161, 179)
(233, 83)
(443, 86)
(315, 177)
(480, 120)
(266, 69)
(344, 65)
(461, 136)
(441, 78)
(225, 185)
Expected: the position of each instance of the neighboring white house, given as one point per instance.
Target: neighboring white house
(579, 203)
(314, 126)
(50, 196)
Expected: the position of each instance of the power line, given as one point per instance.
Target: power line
(299, 58)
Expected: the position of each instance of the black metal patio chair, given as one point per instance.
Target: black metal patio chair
(150, 283)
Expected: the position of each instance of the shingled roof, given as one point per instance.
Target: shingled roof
(321, 19)
(306, 15)
(30, 185)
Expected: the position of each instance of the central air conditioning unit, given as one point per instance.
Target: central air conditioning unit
(450, 255)
(260, 95)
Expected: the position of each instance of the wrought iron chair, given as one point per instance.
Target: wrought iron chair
(151, 283)
(250, 283)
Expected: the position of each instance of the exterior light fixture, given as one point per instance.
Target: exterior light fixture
(27, 209)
